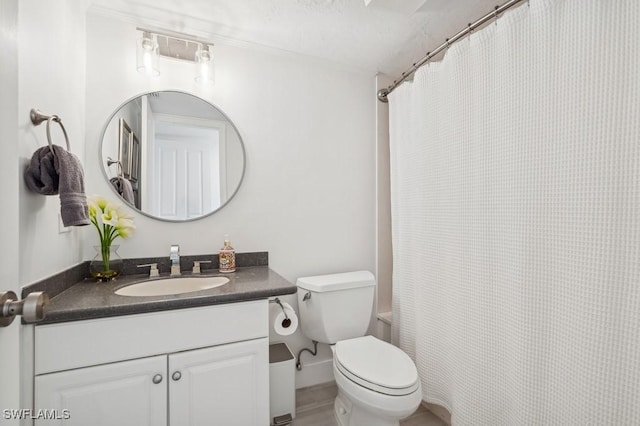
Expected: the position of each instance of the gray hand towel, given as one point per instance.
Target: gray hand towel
(62, 173)
(124, 188)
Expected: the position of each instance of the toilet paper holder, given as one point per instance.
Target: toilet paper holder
(287, 321)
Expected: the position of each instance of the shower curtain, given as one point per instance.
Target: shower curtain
(515, 167)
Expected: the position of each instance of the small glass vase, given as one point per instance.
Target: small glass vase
(107, 263)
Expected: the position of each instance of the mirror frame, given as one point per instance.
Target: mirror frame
(103, 166)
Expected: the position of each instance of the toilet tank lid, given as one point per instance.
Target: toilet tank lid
(333, 282)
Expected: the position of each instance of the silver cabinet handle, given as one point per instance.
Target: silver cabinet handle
(157, 378)
(176, 375)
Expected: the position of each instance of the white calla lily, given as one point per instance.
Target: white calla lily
(111, 221)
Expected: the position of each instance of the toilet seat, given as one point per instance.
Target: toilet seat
(376, 365)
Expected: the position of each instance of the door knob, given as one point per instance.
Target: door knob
(31, 307)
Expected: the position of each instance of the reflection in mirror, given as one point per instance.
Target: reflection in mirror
(172, 155)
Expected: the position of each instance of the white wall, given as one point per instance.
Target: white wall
(51, 69)
(308, 197)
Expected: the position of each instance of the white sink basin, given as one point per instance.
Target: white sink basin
(167, 286)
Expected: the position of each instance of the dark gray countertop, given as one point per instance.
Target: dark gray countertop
(89, 299)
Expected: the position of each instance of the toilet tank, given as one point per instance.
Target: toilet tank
(335, 307)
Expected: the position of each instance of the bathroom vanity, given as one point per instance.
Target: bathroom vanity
(107, 356)
(198, 358)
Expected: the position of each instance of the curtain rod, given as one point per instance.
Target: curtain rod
(382, 93)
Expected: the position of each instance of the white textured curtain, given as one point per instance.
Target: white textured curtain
(515, 166)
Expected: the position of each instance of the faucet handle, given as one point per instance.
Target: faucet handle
(153, 270)
(196, 265)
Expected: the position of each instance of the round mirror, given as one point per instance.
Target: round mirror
(172, 156)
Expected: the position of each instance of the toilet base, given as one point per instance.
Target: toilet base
(358, 406)
(348, 414)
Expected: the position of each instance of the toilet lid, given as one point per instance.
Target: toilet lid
(376, 365)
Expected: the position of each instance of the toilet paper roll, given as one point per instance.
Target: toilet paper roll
(285, 325)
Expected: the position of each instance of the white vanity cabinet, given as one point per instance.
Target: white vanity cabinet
(121, 393)
(197, 366)
(221, 385)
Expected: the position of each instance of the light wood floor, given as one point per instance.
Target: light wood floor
(314, 407)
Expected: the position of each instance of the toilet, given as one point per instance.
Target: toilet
(378, 383)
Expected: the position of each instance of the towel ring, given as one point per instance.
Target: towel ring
(118, 164)
(37, 118)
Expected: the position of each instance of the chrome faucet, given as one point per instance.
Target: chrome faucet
(174, 257)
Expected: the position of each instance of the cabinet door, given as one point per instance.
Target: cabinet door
(222, 385)
(118, 394)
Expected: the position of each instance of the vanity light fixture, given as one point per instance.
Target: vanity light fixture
(147, 54)
(177, 46)
(204, 64)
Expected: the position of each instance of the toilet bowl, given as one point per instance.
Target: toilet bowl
(378, 383)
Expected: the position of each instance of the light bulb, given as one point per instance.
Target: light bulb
(147, 55)
(148, 66)
(204, 64)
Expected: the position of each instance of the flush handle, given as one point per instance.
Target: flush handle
(307, 296)
(31, 307)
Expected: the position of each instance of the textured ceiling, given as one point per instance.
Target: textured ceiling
(386, 36)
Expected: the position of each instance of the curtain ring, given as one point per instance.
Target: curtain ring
(64, 131)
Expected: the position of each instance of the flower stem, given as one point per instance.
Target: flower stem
(106, 255)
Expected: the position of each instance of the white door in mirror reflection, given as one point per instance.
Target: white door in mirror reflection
(187, 179)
